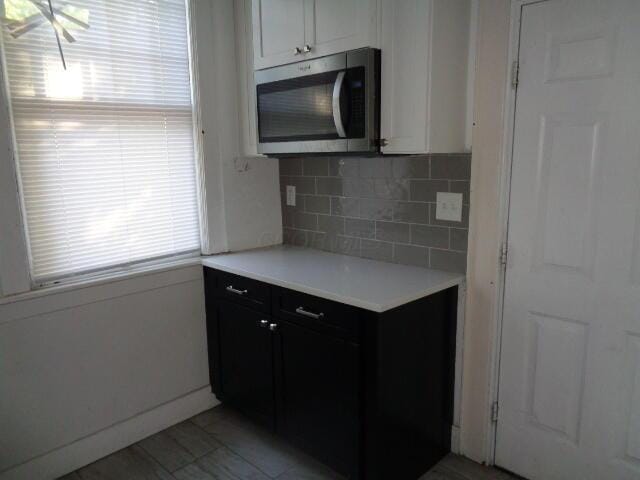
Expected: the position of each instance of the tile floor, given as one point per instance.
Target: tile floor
(219, 444)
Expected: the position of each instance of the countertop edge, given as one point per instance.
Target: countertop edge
(298, 287)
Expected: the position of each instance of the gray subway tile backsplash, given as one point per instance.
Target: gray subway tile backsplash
(330, 224)
(391, 189)
(329, 185)
(459, 239)
(376, 250)
(461, 186)
(290, 166)
(358, 227)
(430, 236)
(374, 167)
(409, 167)
(393, 232)
(304, 185)
(411, 255)
(345, 206)
(315, 167)
(378, 207)
(425, 190)
(317, 204)
(305, 221)
(448, 260)
(451, 167)
(411, 212)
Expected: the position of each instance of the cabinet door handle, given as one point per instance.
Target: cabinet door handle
(306, 313)
(306, 49)
(273, 327)
(297, 51)
(236, 291)
(264, 323)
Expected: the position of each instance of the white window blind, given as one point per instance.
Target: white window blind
(105, 148)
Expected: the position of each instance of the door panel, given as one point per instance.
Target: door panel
(404, 75)
(246, 361)
(569, 370)
(340, 25)
(278, 28)
(318, 394)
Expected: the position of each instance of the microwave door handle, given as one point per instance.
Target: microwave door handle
(337, 114)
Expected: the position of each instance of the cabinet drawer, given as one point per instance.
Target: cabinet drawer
(316, 313)
(242, 290)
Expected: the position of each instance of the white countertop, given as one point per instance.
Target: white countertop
(368, 284)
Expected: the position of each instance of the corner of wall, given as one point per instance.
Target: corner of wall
(242, 192)
(482, 275)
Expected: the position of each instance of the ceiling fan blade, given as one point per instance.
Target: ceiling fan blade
(72, 19)
(52, 20)
(13, 23)
(19, 28)
(57, 10)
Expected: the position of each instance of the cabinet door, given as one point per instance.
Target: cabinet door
(278, 29)
(245, 361)
(318, 385)
(424, 75)
(405, 76)
(339, 25)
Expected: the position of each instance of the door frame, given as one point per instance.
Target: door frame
(509, 118)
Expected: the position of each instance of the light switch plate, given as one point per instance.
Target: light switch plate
(449, 206)
(291, 195)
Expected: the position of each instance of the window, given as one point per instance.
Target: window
(105, 147)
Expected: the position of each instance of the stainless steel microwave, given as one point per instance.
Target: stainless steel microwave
(325, 105)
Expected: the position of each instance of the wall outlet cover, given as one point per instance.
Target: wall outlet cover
(449, 206)
(291, 195)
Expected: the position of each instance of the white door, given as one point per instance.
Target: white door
(278, 31)
(569, 394)
(341, 25)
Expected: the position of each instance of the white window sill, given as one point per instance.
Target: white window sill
(104, 278)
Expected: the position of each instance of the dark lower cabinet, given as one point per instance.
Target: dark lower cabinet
(369, 394)
(245, 356)
(318, 392)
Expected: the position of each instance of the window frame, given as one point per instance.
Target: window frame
(16, 276)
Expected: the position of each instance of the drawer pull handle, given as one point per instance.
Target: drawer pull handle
(236, 291)
(306, 313)
(273, 327)
(306, 49)
(264, 323)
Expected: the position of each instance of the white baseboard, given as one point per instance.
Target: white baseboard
(72, 456)
(455, 439)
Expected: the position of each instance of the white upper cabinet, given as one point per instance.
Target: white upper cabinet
(424, 75)
(425, 59)
(286, 31)
(341, 25)
(278, 31)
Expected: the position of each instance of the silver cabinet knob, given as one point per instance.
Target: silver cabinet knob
(273, 327)
(306, 49)
(297, 51)
(264, 323)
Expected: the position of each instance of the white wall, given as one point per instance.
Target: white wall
(80, 361)
(243, 193)
(483, 267)
(85, 371)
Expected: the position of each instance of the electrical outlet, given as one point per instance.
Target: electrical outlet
(449, 206)
(291, 195)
